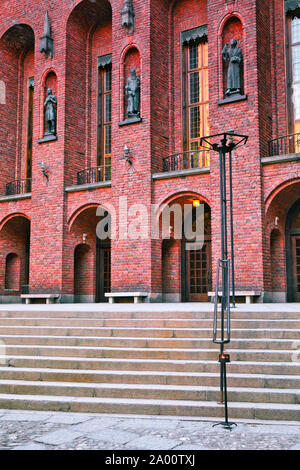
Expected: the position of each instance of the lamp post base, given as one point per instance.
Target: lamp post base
(226, 425)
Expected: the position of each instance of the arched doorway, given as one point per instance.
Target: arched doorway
(196, 263)
(14, 256)
(92, 255)
(293, 252)
(186, 261)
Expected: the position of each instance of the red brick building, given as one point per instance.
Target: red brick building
(52, 184)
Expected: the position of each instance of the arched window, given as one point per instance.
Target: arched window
(293, 65)
(195, 94)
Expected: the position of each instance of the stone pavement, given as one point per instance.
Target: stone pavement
(38, 430)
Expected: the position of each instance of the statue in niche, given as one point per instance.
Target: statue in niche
(234, 76)
(132, 90)
(50, 112)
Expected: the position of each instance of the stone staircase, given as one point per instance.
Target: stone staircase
(149, 363)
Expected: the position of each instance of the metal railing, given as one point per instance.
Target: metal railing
(96, 174)
(284, 145)
(186, 160)
(18, 187)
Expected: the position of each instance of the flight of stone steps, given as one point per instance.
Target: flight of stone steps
(149, 363)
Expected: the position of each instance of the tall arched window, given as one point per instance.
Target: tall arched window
(293, 66)
(195, 94)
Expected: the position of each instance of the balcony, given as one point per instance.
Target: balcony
(18, 187)
(91, 178)
(190, 160)
(98, 174)
(284, 145)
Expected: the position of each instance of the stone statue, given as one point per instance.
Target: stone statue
(234, 57)
(50, 112)
(132, 90)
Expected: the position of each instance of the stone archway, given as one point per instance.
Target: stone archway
(293, 252)
(14, 257)
(90, 235)
(186, 263)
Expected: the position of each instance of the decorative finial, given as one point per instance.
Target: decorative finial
(46, 42)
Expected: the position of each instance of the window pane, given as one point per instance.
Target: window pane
(107, 140)
(193, 57)
(108, 80)
(195, 122)
(194, 88)
(205, 87)
(296, 63)
(205, 54)
(295, 30)
(296, 89)
(108, 108)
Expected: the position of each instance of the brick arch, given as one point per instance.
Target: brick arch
(11, 216)
(6, 30)
(175, 196)
(276, 191)
(77, 212)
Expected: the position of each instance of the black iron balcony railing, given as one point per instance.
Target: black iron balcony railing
(96, 174)
(186, 160)
(284, 145)
(18, 187)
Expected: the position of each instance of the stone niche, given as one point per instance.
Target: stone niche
(50, 82)
(233, 29)
(131, 62)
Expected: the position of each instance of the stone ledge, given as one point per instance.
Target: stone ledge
(87, 187)
(280, 158)
(15, 197)
(180, 173)
(232, 99)
(47, 138)
(131, 120)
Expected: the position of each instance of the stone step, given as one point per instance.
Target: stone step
(279, 368)
(89, 324)
(262, 411)
(155, 392)
(150, 378)
(160, 333)
(97, 314)
(152, 353)
(16, 345)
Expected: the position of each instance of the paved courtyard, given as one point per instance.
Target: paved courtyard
(32, 430)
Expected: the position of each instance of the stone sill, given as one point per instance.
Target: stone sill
(15, 197)
(180, 173)
(280, 159)
(87, 187)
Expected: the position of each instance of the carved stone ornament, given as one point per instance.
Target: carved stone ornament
(46, 42)
(128, 16)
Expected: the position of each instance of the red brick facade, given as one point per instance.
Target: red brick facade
(59, 216)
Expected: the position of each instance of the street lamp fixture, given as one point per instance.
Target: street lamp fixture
(224, 144)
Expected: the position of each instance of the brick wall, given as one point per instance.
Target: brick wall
(82, 32)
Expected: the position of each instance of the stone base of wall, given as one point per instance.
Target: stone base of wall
(275, 297)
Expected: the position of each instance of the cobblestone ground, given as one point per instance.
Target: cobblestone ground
(26, 430)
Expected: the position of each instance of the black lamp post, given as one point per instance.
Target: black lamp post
(224, 144)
